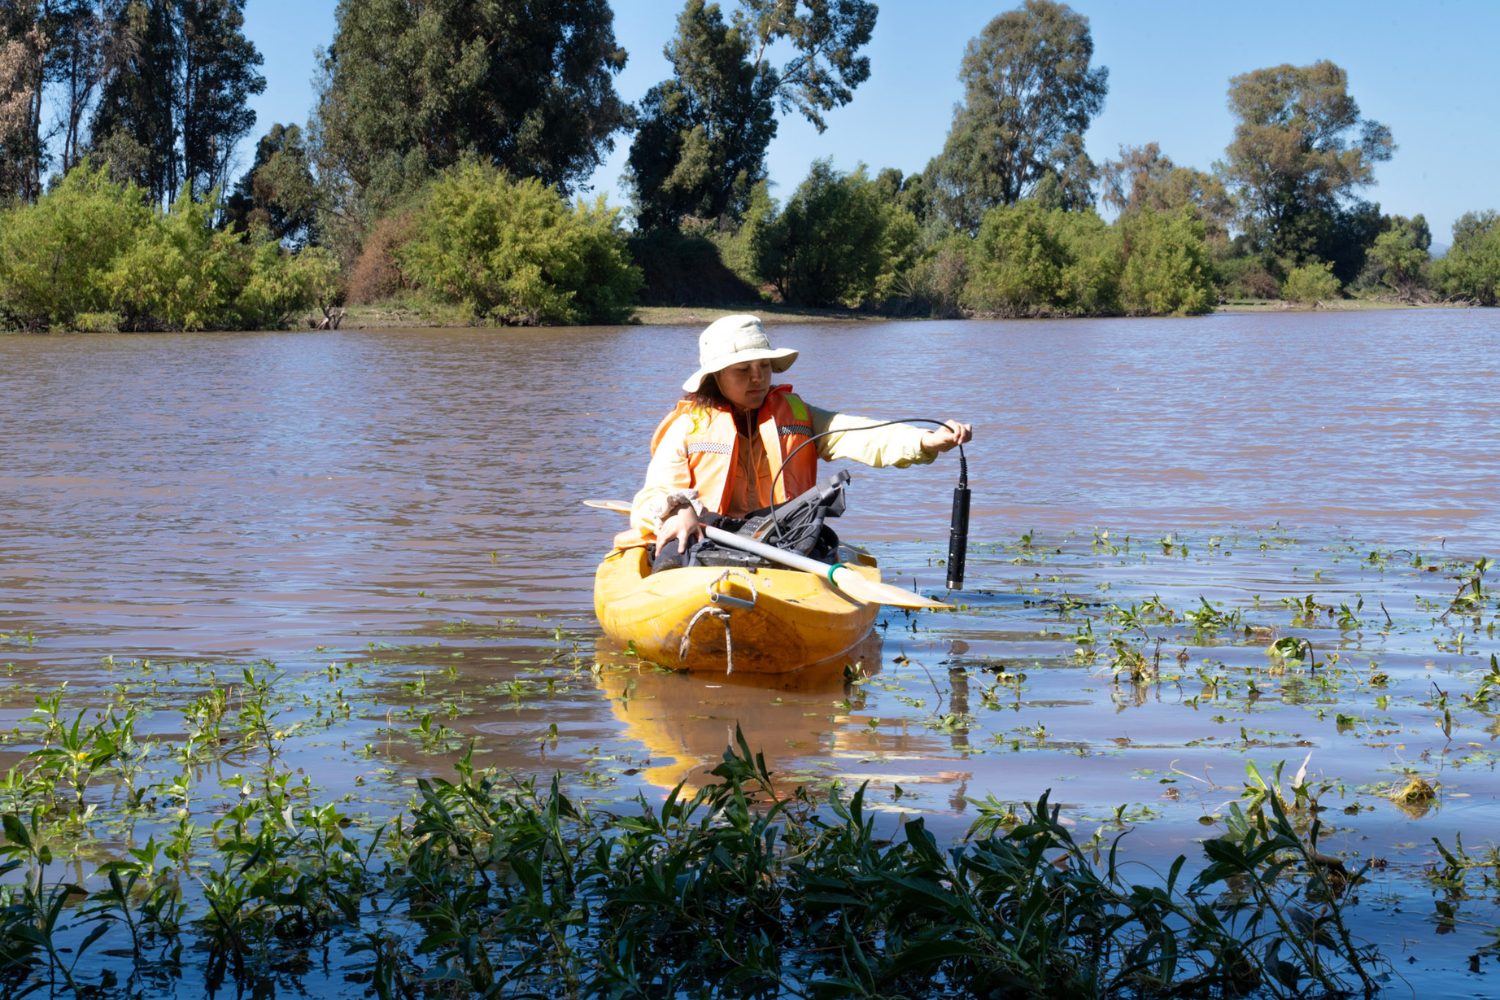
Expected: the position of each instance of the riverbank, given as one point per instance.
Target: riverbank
(415, 315)
(1334, 305)
(406, 315)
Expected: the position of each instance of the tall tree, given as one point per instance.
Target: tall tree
(702, 137)
(278, 191)
(1146, 179)
(177, 75)
(79, 40)
(526, 86)
(51, 64)
(1029, 95)
(23, 60)
(134, 128)
(218, 77)
(1299, 153)
(700, 145)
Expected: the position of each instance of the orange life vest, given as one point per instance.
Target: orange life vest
(712, 445)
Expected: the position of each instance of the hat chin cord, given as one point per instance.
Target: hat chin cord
(958, 524)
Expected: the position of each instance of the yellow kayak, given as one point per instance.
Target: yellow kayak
(742, 620)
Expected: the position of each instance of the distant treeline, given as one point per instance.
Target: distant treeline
(449, 136)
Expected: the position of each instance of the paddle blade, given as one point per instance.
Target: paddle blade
(618, 506)
(862, 588)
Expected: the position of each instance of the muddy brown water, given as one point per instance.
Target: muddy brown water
(410, 500)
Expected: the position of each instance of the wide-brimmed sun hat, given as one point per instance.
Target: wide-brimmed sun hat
(733, 340)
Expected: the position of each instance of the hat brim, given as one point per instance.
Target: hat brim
(781, 359)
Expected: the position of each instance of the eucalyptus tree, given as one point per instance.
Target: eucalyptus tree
(172, 106)
(410, 88)
(134, 127)
(48, 59)
(1029, 96)
(78, 43)
(1145, 179)
(218, 76)
(278, 193)
(1300, 152)
(22, 62)
(702, 135)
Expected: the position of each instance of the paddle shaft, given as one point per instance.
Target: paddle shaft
(774, 554)
(852, 582)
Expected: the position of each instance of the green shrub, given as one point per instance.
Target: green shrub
(514, 253)
(281, 283)
(900, 251)
(827, 247)
(1167, 268)
(1399, 256)
(1311, 283)
(180, 273)
(55, 254)
(1031, 261)
(1471, 268)
(740, 249)
(1016, 263)
(1091, 274)
(1247, 277)
(92, 255)
(941, 274)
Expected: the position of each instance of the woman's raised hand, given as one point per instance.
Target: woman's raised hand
(952, 434)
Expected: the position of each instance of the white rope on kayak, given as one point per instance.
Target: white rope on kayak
(712, 612)
(717, 607)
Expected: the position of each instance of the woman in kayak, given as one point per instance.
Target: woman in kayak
(730, 448)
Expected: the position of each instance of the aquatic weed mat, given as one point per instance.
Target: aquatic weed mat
(1298, 721)
(1156, 683)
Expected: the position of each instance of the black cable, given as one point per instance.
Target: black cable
(963, 464)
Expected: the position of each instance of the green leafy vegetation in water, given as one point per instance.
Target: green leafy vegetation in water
(487, 883)
(160, 830)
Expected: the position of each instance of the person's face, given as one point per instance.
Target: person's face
(746, 385)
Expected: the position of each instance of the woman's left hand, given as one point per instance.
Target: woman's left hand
(953, 434)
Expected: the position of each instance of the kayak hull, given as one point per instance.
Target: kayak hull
(778, 620)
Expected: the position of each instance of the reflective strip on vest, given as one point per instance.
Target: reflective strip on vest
(796, 429)
(713, 447)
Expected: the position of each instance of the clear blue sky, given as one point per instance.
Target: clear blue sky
(1425, 69)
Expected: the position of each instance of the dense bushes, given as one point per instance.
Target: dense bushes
(1311, 283)
(55, 254)
(843, 239)
(92, 253)
(1471, 269)
(514, 252)
(833, 242)
(1032, 261)
(1167, 266)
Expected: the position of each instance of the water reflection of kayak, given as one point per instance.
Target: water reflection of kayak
(685, 721)
(735, 620)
